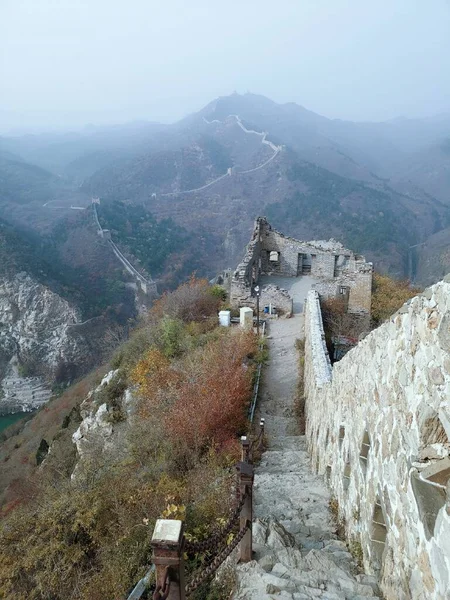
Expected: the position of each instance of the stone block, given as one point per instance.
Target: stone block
(246, 318)
(225, 318)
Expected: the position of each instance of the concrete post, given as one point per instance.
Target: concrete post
(246, 318)
(246, 485)
(225, 318)
(167, 542)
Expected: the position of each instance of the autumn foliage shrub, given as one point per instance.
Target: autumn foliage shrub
(202, 399)
(338, 322)
(88, 537)
(388, 295)
(81, 541)
(212, 401)
(194, 305)
(194, 300)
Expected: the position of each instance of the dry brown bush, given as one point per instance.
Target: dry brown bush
(88, 537)
(192, 301)
(338, 322)
(388, 295)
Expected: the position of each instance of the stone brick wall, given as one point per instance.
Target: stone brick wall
(278, 298)
(378, 426)
(321, 255)
(358, 284)
(328, 288)
(359, 280)
(247, 272)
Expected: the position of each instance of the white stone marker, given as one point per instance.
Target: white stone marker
(246, 318)
(167, 530)
(225, 318)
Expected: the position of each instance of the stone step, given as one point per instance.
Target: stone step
(255, 583)
(288, 442)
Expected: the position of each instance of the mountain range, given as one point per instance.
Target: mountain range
(182, 197)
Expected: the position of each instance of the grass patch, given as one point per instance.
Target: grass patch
(355, 549)
(299, 404)
(339, 521)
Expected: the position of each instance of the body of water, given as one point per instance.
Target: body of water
(7, 420)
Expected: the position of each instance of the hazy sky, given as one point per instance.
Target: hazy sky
(76, 61)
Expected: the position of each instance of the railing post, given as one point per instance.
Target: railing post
(167, 542)
(246, 487)
(262, 424)
(245, 448)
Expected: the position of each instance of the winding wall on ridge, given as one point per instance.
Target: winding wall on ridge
(378, 425)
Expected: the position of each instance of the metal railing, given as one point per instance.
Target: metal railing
(142, 585)
(252, 407)
(170, 544)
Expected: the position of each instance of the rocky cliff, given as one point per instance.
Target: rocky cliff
(38, 340)
(102, 436)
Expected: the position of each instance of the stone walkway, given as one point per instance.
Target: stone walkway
(297, 553)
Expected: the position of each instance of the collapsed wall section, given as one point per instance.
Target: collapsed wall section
(378, 425)
(355, 284)
(247, 272)
(284, 255)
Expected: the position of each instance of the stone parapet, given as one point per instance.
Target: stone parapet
(247, 272)
(378, 426)
(317, 360)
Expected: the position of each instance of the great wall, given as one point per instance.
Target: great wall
(232, 170)
(377, 432)
(356, 506)
(147, 286)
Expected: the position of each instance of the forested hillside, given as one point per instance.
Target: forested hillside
(43, 258)
(315, 187)
(22, 182)
(164, 249)
(376, 186)
(159, 436)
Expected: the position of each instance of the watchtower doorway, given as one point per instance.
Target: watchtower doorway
(304, 264)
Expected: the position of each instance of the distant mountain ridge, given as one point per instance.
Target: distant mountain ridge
(378, 179)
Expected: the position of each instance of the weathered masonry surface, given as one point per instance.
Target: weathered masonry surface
(338, 270)
(378, 425)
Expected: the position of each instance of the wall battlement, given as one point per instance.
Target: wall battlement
(378, 426)
(319, 359)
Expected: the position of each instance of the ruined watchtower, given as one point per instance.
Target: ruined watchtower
(338, 272)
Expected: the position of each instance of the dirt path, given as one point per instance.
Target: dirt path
(279, 378)
(297, 553)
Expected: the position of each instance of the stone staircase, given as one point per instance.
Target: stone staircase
(297, 553)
